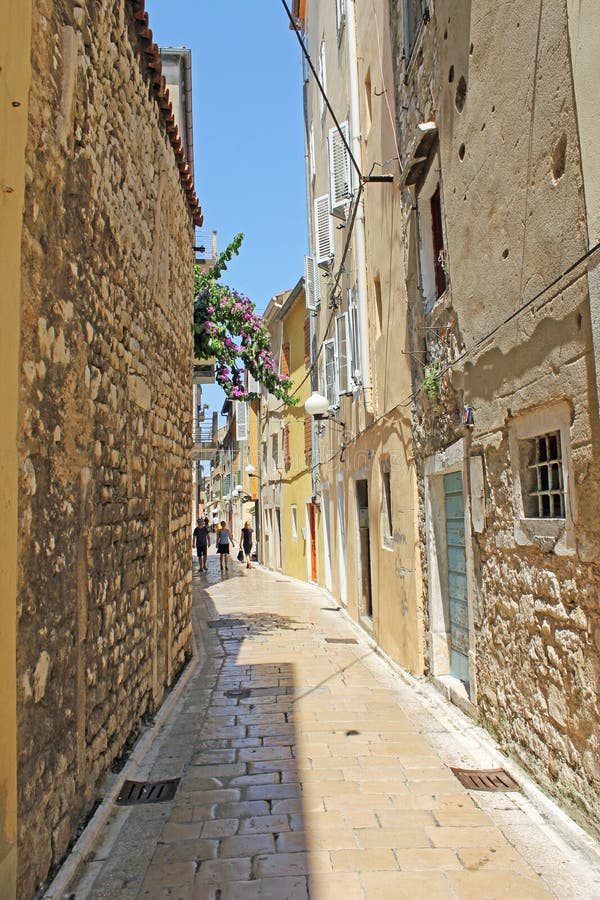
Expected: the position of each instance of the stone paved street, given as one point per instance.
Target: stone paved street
(310, 769)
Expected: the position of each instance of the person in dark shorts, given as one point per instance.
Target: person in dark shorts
(246, 542)
(223, 539)
(202, 538)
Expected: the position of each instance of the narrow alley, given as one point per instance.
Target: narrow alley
(309, 768)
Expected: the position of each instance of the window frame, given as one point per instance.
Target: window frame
(294, 518)
(330, 372)
(552, 534)
(344, 362)
(432, 236)
(387, 511)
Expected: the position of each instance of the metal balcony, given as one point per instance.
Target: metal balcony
(205, 442)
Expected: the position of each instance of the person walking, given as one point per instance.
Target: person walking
(246, 542)
(202, 538)
(223, 538)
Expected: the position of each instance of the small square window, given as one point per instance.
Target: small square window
(294, 522)
(542, 477)
(542, 470)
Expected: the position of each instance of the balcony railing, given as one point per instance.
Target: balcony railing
(205, 442)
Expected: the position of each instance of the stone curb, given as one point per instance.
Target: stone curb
(135, 769)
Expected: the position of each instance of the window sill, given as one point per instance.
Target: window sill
(550, 535)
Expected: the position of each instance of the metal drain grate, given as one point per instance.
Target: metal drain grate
(242, 694)
(486, 779)
(134, 792)
(226, 623)
(341, 641)
(330, 608)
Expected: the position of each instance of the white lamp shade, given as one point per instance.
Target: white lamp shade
(250, 470)
(317, 404)
(239, 489)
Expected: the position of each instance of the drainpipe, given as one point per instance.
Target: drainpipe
(359, 226)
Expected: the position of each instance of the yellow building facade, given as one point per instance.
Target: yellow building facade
(290, 515)
(15, 74)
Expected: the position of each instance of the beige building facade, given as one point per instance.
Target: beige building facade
(97, 414)
(364, 476)
(292, 539)
(497, 132)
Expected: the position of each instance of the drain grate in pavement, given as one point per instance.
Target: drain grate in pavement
(226, 623)
(486, 779)
(134, 792)
(242, 694)
(330, 608)
(341, 641)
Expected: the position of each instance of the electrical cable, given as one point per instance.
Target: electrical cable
(306, 55)
(470, 350)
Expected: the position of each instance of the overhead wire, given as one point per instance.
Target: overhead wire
(473, 348)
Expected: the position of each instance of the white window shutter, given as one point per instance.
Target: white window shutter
(312, 283)
(354, 323)
(344, 370)
(253, 386)
(330, 367)
(323, 231)
(241, 420)
(340, 185)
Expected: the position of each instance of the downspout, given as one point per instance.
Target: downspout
(359, 225)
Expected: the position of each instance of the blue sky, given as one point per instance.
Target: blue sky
(248, 140)
(248, 135)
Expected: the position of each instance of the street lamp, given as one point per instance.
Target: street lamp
(317, 406)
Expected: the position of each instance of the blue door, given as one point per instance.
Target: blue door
(457, 576)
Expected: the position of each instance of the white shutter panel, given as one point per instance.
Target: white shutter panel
(330, 391)
(355, 368)
(339, 172)
(312, 283)
(343, 354)
(323, 231)
(253, 385)
(241, 420)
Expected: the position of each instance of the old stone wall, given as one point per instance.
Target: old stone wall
(511, 336)
(105, 418)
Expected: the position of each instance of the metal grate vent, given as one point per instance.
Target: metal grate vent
(330, 608)
(242, 694)
(134, 792)
(226, 623)
(486, 779)
(341, 641)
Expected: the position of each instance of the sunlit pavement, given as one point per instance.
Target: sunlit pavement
(310, 769)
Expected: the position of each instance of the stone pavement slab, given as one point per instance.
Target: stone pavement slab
(314, 770)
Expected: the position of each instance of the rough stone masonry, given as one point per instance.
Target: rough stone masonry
(105, 419)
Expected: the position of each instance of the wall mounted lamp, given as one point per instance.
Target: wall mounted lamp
(318, 407)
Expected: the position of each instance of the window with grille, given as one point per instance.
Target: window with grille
(542, 477)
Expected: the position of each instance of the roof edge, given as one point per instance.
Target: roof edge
(150, 51)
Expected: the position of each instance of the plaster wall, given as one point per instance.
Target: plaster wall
(15, 72)
(512, 335)
(382, 436)
(104, 582)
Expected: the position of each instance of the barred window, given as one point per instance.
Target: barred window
(542, 477)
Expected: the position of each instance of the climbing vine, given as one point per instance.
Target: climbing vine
(227, 326)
